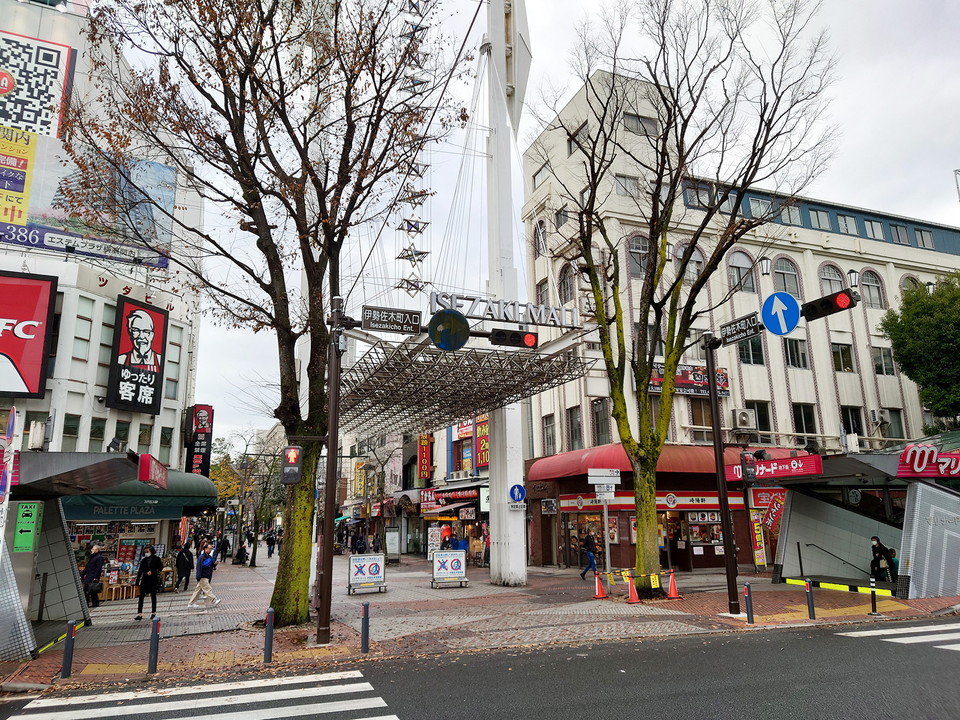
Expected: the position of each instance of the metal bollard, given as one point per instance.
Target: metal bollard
(873, 597)
(365, 627)
(67, 666)
(810, 610)
(748, 601)
(154, 646)
(268, 637)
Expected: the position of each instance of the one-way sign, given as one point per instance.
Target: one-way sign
(741, 329)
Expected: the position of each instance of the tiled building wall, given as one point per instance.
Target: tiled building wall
(931, 542)
(17, 641)
(63, 599)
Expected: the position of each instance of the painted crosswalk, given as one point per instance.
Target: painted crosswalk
(335, 695)
(939, 635)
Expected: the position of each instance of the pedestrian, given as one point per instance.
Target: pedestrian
(205, 566)
(881, 563)
(486, 549)
(353, 543)
(224, 548)
(361, 544)
(184, 567)
(375, 545)
(589, 547)
(91, 577)
(271, 542)
(148, 580)
(894, 564)
(250, 537)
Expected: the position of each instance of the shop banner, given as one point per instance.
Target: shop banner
(139, 341)
(200, 441)
(756, 538)
(483, 442)
(151, 471)
(927, 461)
(779, 469)
(761, 497)
(690, 380)
(774, 510)
(18, 149)
(449, 565)
(424, 466)
(623, 501)
(26, 332)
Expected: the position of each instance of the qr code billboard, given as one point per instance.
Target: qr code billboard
(38, 76)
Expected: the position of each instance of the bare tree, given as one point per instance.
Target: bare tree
(294, 121)
(724, 96)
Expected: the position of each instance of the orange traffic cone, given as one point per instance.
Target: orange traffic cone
(672, 594)
(601, 593)
(632, 590)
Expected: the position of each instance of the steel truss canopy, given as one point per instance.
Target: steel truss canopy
(415, 386)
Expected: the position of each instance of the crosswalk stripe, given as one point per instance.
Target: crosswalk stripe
(898, 631)
(206, 689)
(924, 638)
(241, 699)
(947, 647)
(300, 710)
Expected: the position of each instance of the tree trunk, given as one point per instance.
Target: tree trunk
(647, 559)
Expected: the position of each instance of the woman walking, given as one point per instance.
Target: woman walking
(148, 580)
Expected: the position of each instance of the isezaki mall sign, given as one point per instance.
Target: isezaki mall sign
(480, 308)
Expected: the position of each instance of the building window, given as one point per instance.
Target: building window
(908, 283)
(762, 410)
(790, 215)
(655, 342)
(172, 365)
(566, 286)
(655, 415)
(637, 248)
(852, 419)
(145, 438)
(600, 409)
(895, 424)
(842, 357)
(166, 443)
(796, 353)
(900, 234)
(699, 195)
(541, 175)
(871, 291)
(924, 239)
(741, 272)
(549, 435)
(785, 278)
(874, 229)
(820, 220)
(84, 329)
(122, 433)
(71, 432)
(883, 361)
(576, 139)
(848, 224)
(831, 280)
(760, 208)
(804, 421)
(751, 351)
(98, 431)
(543, 293)
(540, 238)
(640, 124)
(574, 428)
(695, 350)
(628, 186)
(731, 204)
(694, 265)
(702, 418)
(561, 217)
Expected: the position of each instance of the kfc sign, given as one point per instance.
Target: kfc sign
(200, 439)
(26, 321)
(136, 374)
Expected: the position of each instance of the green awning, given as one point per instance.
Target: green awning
(135, 499)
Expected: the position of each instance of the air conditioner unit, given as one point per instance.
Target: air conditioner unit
(744, 419)
(879, 417)
(460, 475)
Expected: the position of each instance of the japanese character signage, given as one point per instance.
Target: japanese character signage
(200, 439)
(778, 469)
(392, 320)
(139, 340)
(26, 307)
(18, 149)
(151, 471)
(483, 441)
(424, 467)
(927, 461)
(690, 380)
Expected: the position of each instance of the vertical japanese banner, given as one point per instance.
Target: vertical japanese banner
(18, 149)
(483, 441)
(756, 537)
(424, 464)
(200, 440)
(139, 341)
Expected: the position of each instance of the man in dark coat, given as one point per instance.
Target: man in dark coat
(184, 568)
(148, 580)
(91, 574)
(223, 548)
(589, 547)
(881, 565)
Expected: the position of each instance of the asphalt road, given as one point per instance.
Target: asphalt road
(793, 673)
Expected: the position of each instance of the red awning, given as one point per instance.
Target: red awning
(674, 459)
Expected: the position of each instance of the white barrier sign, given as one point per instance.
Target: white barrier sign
(449, 565)
(367, 571)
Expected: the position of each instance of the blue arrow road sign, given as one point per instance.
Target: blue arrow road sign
(518, 493)
(780, 313)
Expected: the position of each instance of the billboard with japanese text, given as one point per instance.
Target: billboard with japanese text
(26, 331)
(200, 439)
(136, 371)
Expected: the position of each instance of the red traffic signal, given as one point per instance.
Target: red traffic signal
(514, 338)
(845, 299)
(292, 465)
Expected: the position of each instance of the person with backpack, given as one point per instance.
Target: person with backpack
(589, 547)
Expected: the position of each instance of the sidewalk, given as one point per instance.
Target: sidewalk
(411, 617)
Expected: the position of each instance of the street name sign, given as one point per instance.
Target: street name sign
(395, 320)
(741, 329)
(605, 488)
(780, 313)
(602, 476)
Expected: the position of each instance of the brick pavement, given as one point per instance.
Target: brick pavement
(411, 617)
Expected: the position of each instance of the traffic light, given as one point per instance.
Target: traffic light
(292, 464)
(514, 338)
(829, 304)
(748, 467)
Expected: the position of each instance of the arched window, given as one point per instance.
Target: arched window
(637, 248)
(540, 238)
(871, 290)
(785, 277)
(566, 285)
(831, 280)
(741, 273)
(909, 283)
(694, 265)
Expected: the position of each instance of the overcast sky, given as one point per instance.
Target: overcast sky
(895, 103)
